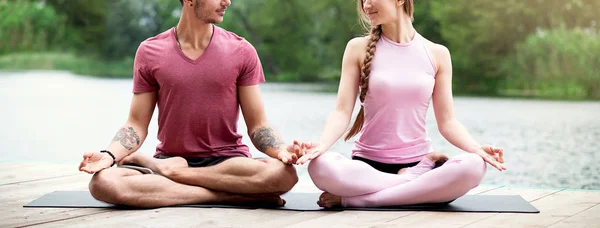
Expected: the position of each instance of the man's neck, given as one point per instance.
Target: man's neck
(194, 33)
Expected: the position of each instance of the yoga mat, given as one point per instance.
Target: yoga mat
(307, 202)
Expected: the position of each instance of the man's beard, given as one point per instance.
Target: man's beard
(202, 15)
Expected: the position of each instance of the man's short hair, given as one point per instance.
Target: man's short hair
(181, 1)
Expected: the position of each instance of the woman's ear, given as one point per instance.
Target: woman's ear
(400, 2)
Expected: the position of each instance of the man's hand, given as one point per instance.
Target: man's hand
(309, 151)
(294, 151)
(94, 162)
(287, 157)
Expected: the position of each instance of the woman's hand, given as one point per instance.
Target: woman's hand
(492, 155)
(309, 151)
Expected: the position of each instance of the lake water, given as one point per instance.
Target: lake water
(54, 117)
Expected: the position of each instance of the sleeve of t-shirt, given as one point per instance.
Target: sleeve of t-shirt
(143, 80)
(251, 72)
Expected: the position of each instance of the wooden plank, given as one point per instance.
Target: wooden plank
(32, 171)
(35, 189)
(291, 219)
(588, 218)
(528, 194)
(437, 219)
(10, 166)
(19, 216)
(14, 196)
(176, 217)
(554, 207)
(353, 219)
(483, 188)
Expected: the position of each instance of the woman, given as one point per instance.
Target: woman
(399, 72)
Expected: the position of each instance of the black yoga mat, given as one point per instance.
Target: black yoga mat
(307, 202)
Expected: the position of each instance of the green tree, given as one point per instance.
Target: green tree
(557, 63)
(481, 34)
(86, 21)
(29, 26)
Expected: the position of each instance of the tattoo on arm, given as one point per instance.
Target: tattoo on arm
(265, 138)
(127, 137)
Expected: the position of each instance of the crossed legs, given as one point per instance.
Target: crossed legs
(238, 180)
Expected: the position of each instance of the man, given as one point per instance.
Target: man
(198, 75)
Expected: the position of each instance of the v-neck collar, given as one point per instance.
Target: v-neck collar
(180, 52)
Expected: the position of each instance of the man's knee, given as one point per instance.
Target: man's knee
(104, 186)
(279, 177)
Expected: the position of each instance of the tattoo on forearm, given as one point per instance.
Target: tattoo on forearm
(127, 137)
(265, 138)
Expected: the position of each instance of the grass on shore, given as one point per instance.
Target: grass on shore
(81, 65)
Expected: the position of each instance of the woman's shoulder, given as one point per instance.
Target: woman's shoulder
(435, 48)
(358, 43)
(438, 52)
(357, 48)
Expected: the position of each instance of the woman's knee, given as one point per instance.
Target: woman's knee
(324, 170)
(472, 168)
(324, 163)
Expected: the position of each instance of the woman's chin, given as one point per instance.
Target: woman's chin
(375, 23)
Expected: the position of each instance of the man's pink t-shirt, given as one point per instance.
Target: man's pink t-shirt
(198, 100)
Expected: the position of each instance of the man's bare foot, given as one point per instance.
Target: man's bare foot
(131, 159)
(160, 166)
(438, 158)
(262, 201)
(328, 200)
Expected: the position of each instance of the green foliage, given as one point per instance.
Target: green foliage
(28, 26)
(496, 47)
(426, 24)
(86, 21)
(482, 33)
(114, 29)
(297, 39)
(131, 22)
(556, 63)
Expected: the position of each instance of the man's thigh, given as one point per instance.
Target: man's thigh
(244, 166)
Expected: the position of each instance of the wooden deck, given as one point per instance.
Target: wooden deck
(20, 183)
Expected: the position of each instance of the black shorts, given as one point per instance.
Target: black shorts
(201, 162)
(384, 167)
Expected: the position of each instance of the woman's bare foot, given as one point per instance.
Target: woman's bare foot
(328, 200)
(402, 170)
(438, 158)
(161, 166)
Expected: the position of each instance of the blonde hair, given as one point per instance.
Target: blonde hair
(365, 69)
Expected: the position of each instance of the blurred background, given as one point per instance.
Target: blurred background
(526, 75)
(540, 48)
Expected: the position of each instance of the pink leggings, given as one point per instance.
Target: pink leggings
(361, 185)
